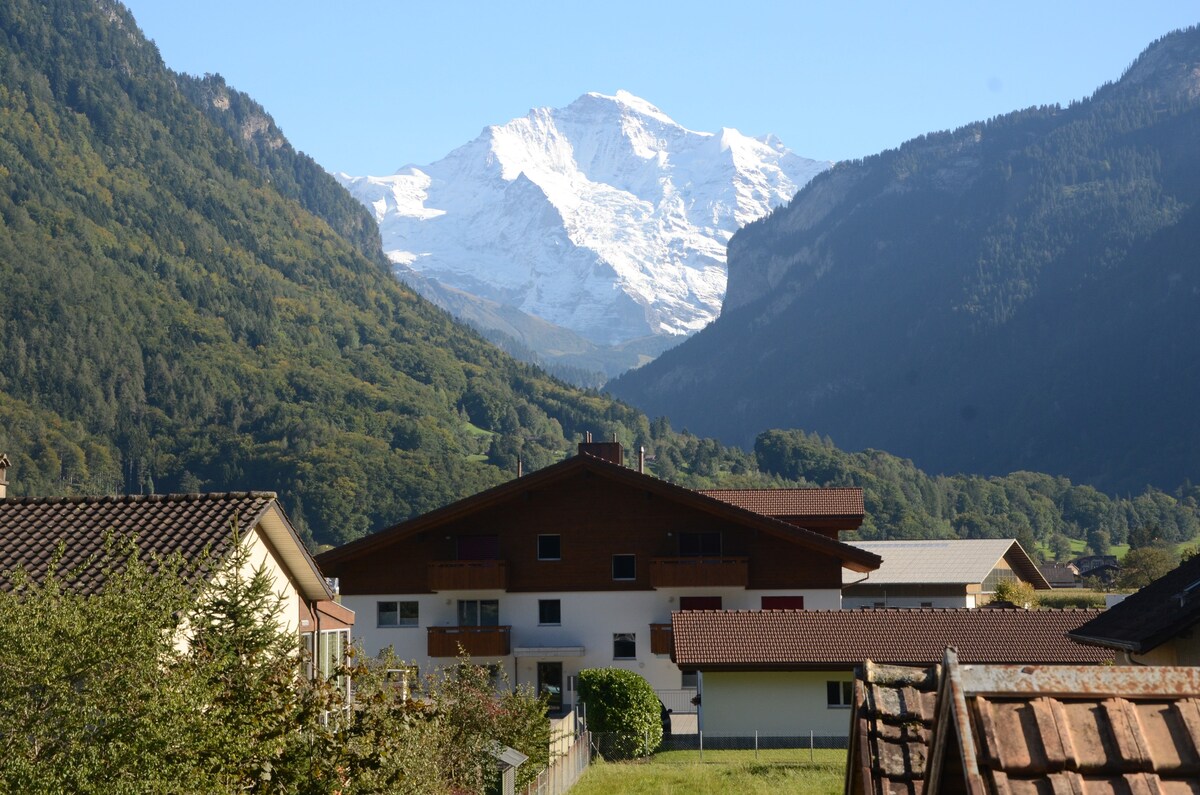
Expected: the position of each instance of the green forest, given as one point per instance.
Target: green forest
(189, 304)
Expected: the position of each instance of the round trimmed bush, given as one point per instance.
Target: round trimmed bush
(622, 703)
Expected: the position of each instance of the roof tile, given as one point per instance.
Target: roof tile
(807, 638)
(793, 502)
(71, 532)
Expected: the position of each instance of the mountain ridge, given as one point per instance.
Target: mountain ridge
(604, 217)
(1015, 294)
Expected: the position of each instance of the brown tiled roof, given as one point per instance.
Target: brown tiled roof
(1036, 729)
(1143, 621)
(32, 530)
(782, 639)
(1017, 729)
(895, 709)
(793, 502)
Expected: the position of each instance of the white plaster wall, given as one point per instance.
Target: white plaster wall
(589, 619)
(961, 600)
(775, 703)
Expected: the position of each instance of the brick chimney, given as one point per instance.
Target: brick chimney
(609, 451)
(4, 465)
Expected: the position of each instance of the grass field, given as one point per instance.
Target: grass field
(774, 772)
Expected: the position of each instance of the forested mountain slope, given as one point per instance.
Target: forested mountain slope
(1022, 293)
(188, 303)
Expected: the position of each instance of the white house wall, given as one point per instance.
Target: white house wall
(589, 620)
(772, 703)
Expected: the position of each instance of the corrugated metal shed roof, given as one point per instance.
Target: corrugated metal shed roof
(944, 561)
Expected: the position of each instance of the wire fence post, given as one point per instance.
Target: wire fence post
(701, 733)
(756, 745)
(811, 752)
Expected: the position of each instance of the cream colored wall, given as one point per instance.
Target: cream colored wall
(1182, 650)
(589, 620)
(773, 703)
(260, 556)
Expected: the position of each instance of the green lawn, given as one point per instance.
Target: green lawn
(775, 772)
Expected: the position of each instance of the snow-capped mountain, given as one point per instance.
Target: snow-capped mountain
(604, 217)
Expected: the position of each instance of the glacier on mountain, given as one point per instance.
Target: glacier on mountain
(604, 217)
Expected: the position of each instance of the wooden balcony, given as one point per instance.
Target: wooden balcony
(662, 641)
(475, 641)
(468, 575)
(698, 572)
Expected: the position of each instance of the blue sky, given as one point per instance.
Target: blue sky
(367, 87)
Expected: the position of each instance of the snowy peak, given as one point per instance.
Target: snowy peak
(605, 217)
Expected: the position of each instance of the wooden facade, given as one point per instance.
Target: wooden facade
(475, 641)
(596, 510)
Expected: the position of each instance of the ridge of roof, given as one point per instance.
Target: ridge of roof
(133, 498)
(584, 461)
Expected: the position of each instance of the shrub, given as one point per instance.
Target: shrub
(622, 703)
(1019, 592)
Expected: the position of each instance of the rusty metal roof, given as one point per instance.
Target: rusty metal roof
(793, 502)
(1026, 729)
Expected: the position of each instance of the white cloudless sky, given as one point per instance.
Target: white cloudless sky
(367, 86)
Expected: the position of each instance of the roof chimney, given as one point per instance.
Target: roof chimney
(608, 451)
(642, 459)
(4, 465)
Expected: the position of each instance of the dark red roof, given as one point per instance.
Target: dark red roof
(793, 502)
(737, 639)
(32, 530)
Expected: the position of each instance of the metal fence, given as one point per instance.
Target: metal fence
(608, 744)
(565, 770)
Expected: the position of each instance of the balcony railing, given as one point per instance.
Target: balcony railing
(661, 639)
(475, 641)
(698, 572)
(468, 575)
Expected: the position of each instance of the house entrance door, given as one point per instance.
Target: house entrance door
(550, 682)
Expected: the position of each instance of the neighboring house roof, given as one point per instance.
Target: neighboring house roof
(33, 531)
(946, 562)
(850, 557)
(793, 502)
(1088, 562)
(1029, 729)
(799, 639)
(1059, 574)
(1145, 620)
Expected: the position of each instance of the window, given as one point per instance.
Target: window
(624, 567)
(479, 612)
(700, 545)
(926, 604)
(396, 614)
(839, 694)
(549, 547)
(549, 611)
(687, 680)
(783, 603)
(624, 646)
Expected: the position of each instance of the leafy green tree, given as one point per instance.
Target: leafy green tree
(1060, 548)
(1017, 592)
(1098, 541)
(621, 703)
(1144, 565)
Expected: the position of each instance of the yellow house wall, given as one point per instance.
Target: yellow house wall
(1182, 650)
(776, 703)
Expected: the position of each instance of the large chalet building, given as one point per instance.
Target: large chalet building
(580, 565)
